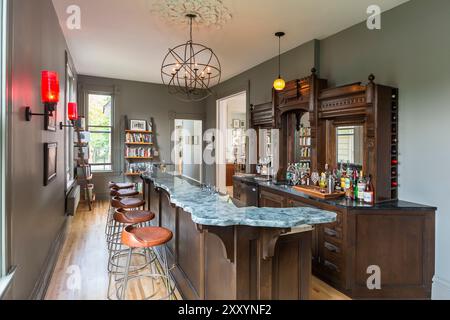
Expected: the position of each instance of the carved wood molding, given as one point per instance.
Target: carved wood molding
(345, 102)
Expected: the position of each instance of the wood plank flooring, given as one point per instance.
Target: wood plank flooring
(81, 270)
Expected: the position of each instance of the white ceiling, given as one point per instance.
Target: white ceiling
(123, 39)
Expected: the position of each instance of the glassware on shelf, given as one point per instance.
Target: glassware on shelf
(315, 177)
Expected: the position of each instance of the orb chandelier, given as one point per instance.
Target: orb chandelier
(279, 84)
(191, 69)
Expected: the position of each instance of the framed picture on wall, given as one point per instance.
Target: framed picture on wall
(236, 124)
(138, 125)
(242, 124)
(50, 122)
(50, 162)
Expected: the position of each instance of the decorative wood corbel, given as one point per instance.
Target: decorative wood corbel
(268, 241)
(226, 236)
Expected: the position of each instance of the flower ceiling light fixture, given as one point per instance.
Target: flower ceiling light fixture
(207, 12)
(191, 69)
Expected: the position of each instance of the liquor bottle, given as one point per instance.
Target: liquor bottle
(355, 184)
(351, 191)
(361, 187)
(369, 193)
(327, 171)
(348, 187)
(343, 180)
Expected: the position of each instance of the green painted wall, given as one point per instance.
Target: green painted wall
(411, 52)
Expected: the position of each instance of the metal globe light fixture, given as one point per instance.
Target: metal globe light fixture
(191, 69)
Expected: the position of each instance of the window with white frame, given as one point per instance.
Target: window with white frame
(100, 126)
(71, 96)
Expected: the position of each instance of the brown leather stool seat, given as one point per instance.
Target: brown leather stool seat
(127, 203)
(145, 237)
(120, 186)
(133, 217)
(124, 193)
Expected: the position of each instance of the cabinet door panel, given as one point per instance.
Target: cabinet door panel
(271, 200)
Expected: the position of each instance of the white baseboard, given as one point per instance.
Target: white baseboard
(441, 289)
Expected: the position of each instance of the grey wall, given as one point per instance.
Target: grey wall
(138, 100)
(258, 83)
(411, 52)
(35, 212)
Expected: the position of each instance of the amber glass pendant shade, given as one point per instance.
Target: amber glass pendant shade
(279, 84)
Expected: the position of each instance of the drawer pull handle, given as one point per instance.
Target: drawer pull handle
(330, 232)
(331, 247)
(331, 266)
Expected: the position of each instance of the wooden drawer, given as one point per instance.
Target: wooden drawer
(332, 253)
(332, 232)
(334, 269)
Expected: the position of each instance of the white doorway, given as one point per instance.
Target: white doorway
(188, 149)
(231, 145)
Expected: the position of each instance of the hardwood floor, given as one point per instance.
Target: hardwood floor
(80, 273)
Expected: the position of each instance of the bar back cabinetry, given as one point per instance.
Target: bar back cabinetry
(398, 238)
(245, 194)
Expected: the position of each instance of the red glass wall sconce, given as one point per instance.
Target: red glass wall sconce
(72, 114)
(49, 95)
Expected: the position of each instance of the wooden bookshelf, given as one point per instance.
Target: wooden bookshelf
(139, 148)
(135, 174)
(134, 131)
(139, 143)
(139, 158)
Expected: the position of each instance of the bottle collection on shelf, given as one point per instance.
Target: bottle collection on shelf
(352, 182)
(394, 145)
(305, 142)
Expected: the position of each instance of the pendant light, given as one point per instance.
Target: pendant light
(279, 84)
(191, 69)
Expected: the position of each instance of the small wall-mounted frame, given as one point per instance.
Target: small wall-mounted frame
(50, 162)
(243, 125)
(138, 125)
(50, 121)
(236, 124)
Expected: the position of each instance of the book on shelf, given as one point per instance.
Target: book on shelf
(142, 152)
(138, 138)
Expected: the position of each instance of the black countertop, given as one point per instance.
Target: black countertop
(342, 203)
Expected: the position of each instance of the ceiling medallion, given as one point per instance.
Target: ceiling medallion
(191, 69)
(207, 12)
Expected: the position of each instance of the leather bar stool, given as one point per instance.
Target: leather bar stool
(118, 186)
(154, 239)
(114, 228)
(123, 193)
(114, 192)
(127, 203)
(123, 218)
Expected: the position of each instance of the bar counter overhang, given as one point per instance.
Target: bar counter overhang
(220, 251)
